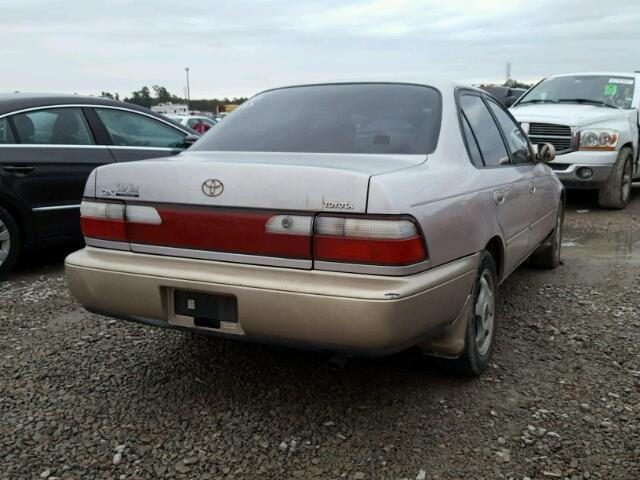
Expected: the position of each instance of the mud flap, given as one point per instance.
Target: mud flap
(451, 344)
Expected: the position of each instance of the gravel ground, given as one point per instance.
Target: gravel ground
(84, 397)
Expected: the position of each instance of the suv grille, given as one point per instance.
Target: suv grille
(557, 135)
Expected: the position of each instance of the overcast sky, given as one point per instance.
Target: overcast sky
(239, 47)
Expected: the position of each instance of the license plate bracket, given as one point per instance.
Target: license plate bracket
(207, 310)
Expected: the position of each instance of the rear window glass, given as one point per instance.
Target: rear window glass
(57, 126)
(485, 131)
(6, 135)
(349, 118)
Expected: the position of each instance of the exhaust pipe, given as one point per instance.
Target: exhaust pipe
(337, 362)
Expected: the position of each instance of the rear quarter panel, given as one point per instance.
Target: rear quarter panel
(453, 206)
(447, 195)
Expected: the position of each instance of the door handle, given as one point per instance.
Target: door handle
(19, 169)
(499, 197)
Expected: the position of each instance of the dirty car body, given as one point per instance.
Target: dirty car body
(345, 217)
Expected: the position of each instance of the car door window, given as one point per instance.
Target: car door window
(136, 130)
(516, 140)
(485, 130)
(6, 135)
(57, 126)
(194, 121)
(472, 143)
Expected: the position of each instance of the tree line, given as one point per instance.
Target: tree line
(148, 97)
(517, 84)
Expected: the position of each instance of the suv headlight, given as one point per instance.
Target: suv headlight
(598, 139)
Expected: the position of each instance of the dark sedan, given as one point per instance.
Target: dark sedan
(48, 146)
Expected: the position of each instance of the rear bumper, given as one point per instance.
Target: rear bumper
(567, 165)
(360, 314)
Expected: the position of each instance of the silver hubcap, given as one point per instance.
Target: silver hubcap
(485, 312)
(5, 242)
(626, 182)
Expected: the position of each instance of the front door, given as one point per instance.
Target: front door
(544, 194)
(135, 136)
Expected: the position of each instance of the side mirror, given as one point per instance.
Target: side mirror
(190, 140)
(546, 153)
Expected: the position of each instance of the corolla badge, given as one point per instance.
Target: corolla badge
(122, 190)
(212, 187)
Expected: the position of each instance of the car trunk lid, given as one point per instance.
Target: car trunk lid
(250, 208)
(281, 181)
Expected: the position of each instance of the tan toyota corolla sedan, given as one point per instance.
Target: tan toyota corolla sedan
(359, 218)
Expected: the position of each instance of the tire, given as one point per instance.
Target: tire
(9, 242)
(616, 191)
(548, 254)
(479, 344)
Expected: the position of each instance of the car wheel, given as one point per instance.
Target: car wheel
(548, 254)
(617, 189)
(481, 325)
(9, 242)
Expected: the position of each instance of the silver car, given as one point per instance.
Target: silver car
(359, 218)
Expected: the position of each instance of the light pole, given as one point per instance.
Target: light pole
(188, 88)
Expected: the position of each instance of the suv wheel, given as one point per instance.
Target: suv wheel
(9, 242)
(617, 189)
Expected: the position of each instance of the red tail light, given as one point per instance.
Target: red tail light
(370, 241)
(254, 233)
(104, 221)
(250, 233)
(358, 240)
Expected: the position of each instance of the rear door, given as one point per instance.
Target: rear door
(47, 165)
(510, 182)
(137, 136)
(538, 178)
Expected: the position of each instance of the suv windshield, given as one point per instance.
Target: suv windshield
(602, 90)
(340, 118)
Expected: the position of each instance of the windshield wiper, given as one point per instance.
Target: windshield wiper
(599, 103)
(537, 100)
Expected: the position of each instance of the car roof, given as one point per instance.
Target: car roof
(175, 115)
(444, 86)
(11, 102)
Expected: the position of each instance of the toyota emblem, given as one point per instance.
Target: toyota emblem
(213, 187)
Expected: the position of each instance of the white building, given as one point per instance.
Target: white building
(171, 109)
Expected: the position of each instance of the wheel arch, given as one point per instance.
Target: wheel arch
(635, 159)
(495, 246)
(25, 226)
(628, 145)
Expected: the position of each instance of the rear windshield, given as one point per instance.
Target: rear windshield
(349, 118)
